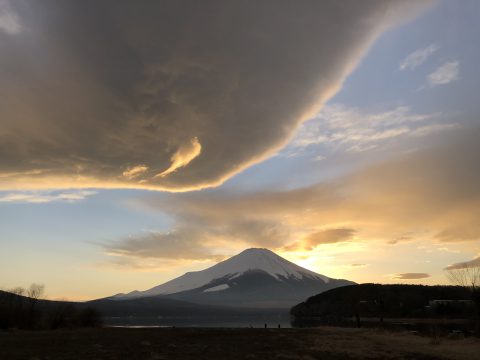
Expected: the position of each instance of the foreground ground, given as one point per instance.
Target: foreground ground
(179, 344)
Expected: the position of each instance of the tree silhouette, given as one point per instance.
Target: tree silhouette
(34, 293)
(467, 275)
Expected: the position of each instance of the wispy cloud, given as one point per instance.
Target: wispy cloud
(351, 129)
(418, 57)
(326, 236)
(197, 238)
(183, 156)
(444, 74)
(142, 264)
(134, 171)
(187, 243)
(433, 128)
(464, 265)
(9, 21)
(37, 197)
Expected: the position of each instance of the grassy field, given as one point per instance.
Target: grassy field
(184, 343)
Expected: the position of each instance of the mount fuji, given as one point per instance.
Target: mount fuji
(255, 278)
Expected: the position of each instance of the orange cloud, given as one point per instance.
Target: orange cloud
(183, 156)
(133, 172)
(423, 195)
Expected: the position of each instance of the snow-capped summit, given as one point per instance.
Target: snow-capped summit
(253, 276)
(266, 260)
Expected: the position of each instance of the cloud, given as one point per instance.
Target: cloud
(84, 105)
(46, 197)
(350, 129)
(183, 156)
(328, 236)
(411, 276)
(133, 172)
(401, 238)
(465, 230)
(194, 238)
(418, 57)
(433, 128)
(465, 265)
(444, 74)
(180, 244)
(129, 264)
(9, 21)
(358, 265)
(430, 194)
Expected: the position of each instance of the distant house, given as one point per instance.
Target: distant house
(451, 307)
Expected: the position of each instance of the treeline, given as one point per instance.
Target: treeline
(23, 309)
(393, 301)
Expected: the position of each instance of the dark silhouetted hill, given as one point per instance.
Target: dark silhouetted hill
(376, 300)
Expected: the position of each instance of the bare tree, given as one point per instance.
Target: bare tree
(17, 291)
(34, 293)
(468, 276)
(16, 300)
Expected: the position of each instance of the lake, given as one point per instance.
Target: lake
(272, 321)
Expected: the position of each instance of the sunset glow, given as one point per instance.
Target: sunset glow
(135, 148)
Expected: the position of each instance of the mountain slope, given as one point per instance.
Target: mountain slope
(160, 306)
(253, 278)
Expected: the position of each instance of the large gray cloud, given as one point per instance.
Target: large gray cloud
(198, 238)
(173, 95)
(184, 243)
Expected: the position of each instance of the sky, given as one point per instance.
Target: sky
(139, 141)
